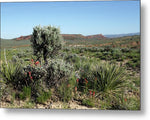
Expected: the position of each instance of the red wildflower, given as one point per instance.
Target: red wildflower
(125, 99)
(96, 78)
(32, 60)
(37, 62)
(31, 77)
(93, 93)
(90, 92)
(29, 73)
(86, 81)
(75, 88)
(77, 80)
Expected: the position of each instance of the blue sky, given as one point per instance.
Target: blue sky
(87, 18)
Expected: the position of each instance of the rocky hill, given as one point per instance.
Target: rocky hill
(69, 37)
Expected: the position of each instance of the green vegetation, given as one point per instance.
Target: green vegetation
(43, 97)
(88, 102)
(46, 41)
(102, 77)
(26, 93)
(14, 44)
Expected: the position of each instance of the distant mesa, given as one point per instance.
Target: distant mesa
(72, 36)
(99, 36)
(24, 37)
(80, 36)
(69, 37)
(121, 35)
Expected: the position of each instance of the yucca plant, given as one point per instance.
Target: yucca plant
(110, 77)
(11, 72)
(110, 83)
(105, 79)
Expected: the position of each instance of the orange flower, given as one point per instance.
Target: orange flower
(125, 99)
(32, 61)
(37, 62)
(86, 81)
(76, 89)
(96, 78)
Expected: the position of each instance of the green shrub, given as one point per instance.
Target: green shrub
(73, 59)
(34, 72)
(117, 55)
(12, 74)
(23, 78)
(57, 71)
(98, 54)
(131, 64)
(27, 59)
(107, 48)
(26, 93)
(65, 91)
(138, 63)
(133, 104)
(88, 102)
(135, 60)
(43, 97)
(36, 79)
(19, 76)
(13, 97)
(107, 80)
(125, 50)
(14, 59)
(46, 41)
(103, 57)
(110, 77)
(67, 49)
(85, 72)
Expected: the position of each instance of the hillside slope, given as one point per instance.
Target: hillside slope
(69, 37)
(75, 40)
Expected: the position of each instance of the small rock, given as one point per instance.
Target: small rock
(8, 98)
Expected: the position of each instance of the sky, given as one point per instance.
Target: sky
(87, 18)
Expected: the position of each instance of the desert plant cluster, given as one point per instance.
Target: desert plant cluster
(50, 71)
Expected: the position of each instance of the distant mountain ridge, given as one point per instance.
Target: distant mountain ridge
(121, 35)
(69, 37)
(80, 36)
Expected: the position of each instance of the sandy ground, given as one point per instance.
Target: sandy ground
(48, 105)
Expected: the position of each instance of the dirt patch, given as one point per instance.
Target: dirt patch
(48, 105)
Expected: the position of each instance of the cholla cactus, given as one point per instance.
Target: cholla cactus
(46, 41)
